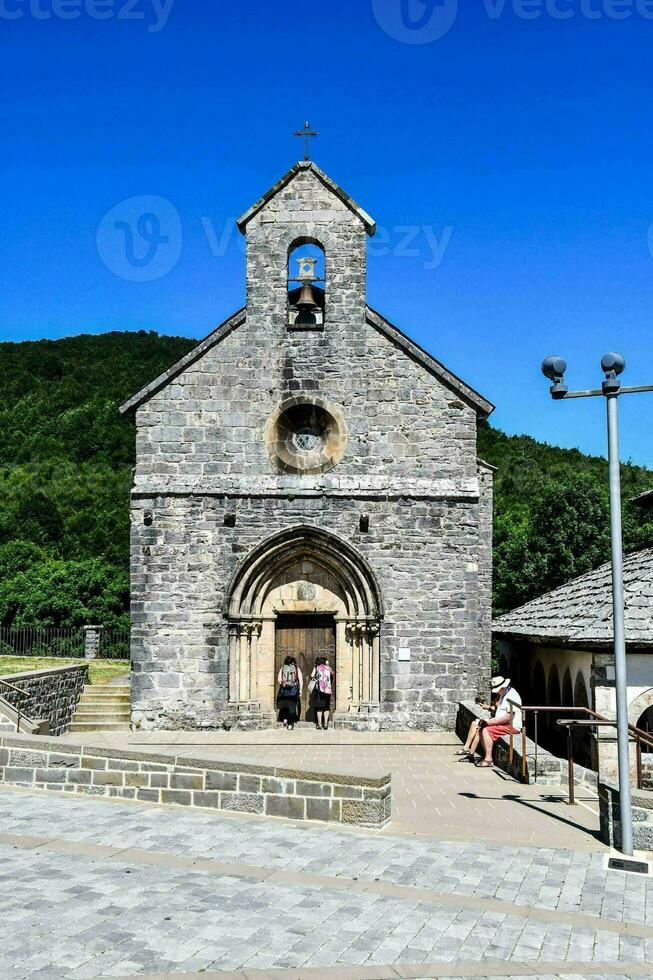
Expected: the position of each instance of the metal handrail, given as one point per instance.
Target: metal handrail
(21, 694)
(595, 720)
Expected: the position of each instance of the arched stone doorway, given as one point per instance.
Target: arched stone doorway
(312, 578)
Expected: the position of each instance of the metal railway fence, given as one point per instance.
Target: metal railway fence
(62, 642)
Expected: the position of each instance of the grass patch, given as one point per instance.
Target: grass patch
(100, 671)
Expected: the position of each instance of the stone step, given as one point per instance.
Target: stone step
(99, 717)
(94, 699)
(107, 726)
(105, 691)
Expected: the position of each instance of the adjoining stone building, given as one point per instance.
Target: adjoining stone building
(558, 648)
(307, 482)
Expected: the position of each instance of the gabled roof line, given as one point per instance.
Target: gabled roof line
(370, 223)
(213, 338)
(394, 334)
(472, 397)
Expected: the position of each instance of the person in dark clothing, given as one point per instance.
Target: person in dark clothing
(291, 683)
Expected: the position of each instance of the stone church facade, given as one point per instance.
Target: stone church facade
(307, 482)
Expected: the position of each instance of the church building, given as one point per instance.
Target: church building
(307, 483)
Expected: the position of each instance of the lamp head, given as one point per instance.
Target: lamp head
(613, 365)
(554, 369)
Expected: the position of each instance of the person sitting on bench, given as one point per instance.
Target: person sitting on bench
(508, 710)
(468, 750)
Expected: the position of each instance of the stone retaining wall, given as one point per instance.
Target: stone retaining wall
(52, 694)
(364, 801)
(611, 817)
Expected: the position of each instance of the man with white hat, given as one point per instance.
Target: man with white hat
(508, 703)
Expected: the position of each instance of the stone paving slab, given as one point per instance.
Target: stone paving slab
(99, 888)
(540, 877)
(424, 972)
(81, 919)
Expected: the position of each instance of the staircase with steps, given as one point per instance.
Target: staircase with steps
(103, 708)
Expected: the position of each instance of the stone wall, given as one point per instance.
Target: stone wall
(51, 695)
(611, 818)
(364, 801)
(424, 554)
(207, 490)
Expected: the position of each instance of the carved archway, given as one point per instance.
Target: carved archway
(308, 571)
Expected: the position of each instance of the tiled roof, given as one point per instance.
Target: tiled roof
(580, 612)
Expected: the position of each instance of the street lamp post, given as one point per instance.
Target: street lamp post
(613, 365)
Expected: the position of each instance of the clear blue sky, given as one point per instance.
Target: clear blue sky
(521, 147)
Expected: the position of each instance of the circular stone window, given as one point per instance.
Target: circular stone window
(306, 435)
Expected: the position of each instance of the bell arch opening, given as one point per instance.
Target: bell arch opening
(308, 574)
(306, 284)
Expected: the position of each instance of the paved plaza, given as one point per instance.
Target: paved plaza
(99, 887)
(435, 794)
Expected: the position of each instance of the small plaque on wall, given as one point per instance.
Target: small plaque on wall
(404, 654)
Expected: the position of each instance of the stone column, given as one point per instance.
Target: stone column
(343, 667)
(353, 636)
(234, 663)
(243, 693)
(254, 632)
(366, 665)
(375, 631)
(92, 636)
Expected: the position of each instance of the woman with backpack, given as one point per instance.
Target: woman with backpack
(291, 684)
(321, 687)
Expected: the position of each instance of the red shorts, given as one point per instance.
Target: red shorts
(498, 731)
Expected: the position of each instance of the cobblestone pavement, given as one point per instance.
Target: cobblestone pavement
(434, 793)
(105, 888)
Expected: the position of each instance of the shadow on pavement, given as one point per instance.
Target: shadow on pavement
(513, 798)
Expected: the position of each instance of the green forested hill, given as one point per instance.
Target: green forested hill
(66, 456)
(65, 472)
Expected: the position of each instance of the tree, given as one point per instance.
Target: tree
(564, 533)
(53, 592)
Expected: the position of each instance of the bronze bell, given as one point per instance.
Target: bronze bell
(307, 305)
(307, 297)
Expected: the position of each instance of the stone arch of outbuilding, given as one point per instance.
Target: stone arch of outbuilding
(639, 705)
(567, 689)
(581, 697)
(305, 571)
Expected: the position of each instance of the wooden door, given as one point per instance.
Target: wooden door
(305, 638)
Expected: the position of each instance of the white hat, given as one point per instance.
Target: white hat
(498, 683)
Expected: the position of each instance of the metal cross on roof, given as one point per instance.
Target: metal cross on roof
(307, 133)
